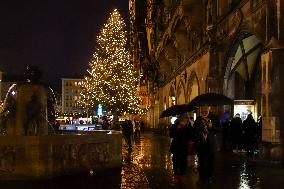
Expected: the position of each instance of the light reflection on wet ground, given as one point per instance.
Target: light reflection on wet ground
(152, 155)
(147, 163)
(149, 166)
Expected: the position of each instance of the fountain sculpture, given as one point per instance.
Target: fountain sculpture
(29, 149)
(28, 107)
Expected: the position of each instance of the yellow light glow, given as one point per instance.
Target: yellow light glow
(244, 110)
(113, 79)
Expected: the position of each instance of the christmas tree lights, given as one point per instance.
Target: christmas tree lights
(85, 99)
(113, 80)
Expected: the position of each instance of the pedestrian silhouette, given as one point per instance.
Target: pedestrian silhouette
(181, 133)
(127, 131)
(237, 133)
(204, 132)
(250, 132)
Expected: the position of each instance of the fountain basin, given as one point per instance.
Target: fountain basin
(41, 157)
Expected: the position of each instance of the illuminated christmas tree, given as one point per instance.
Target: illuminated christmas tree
(113, 80)
(86, 100)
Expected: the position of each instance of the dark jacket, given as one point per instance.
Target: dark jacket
(250, 127)
(237, 126)
(127, 128)
(180, 138)
(203, 135)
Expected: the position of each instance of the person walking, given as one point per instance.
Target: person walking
(250, 134)
(205, 143)
(237, 133)
(181, 132)
(127, 131)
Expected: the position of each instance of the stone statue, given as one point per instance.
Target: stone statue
(28, 107)
(34, 116)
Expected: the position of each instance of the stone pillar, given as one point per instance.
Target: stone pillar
(272, 102)
(23, 111)
(213, 82)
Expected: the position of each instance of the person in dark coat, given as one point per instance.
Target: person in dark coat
(127, 131)
(205, 132)
(250, 128)
(237, 132)
(181, 133)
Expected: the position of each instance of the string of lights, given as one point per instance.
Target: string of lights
(113, 79)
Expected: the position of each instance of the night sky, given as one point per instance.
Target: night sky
(58, 36)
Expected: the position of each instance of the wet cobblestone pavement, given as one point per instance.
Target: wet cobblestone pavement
(149, 166)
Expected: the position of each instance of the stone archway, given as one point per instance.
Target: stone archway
(242, 79)
(193, 87)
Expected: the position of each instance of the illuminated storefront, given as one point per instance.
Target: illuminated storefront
(245, 107)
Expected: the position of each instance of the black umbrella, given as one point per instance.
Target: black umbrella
(177, 109)
(211, 99)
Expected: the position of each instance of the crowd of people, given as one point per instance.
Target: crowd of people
(199, 138)
(241, 135)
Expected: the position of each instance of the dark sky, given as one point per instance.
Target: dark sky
(58, 36)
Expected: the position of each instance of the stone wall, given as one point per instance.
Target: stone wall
(37, 157)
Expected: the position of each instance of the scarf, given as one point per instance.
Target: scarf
(204, 129)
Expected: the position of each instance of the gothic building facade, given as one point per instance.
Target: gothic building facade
(232, 47)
